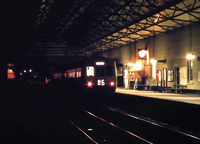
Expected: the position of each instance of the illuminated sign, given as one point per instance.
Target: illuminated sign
(159, 75)
(101, 82)
(100, 63)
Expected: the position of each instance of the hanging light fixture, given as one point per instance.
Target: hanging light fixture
(190, 56)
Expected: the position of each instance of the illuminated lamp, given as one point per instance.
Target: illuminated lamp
(130, 64)
(112, 84)
(89, 84)
(190, 57)
(153, 61)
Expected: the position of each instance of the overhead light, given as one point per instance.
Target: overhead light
(190, 57)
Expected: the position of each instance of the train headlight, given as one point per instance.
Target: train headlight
(89, 84)
(112, 84)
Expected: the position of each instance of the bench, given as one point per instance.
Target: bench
(179, 88)
(141, 87)
(160, 89)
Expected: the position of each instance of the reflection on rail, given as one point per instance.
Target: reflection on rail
(117, 127)
(153, 122)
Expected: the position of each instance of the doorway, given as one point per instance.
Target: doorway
(177, 75)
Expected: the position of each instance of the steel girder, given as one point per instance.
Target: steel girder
(93, 26)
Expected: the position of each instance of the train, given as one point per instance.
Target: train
(92, 75)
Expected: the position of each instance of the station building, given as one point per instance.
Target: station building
(166, 59)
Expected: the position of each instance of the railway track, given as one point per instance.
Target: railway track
(106, 124)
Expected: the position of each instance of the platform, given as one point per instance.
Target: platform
(186, 98)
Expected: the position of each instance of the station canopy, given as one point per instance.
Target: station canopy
(90, 27)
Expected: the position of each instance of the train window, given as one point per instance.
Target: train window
(57, 75)
(100, 71)
(66, 74)
(89, 71)
(11, 74)
(109, 71)
(78, 72)
(71, 73)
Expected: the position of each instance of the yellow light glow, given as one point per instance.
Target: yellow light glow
(138, 66)
(190, 57)
(142, 53)
(153, 61)
(130, 64)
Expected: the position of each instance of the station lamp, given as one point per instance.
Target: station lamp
(153, 61)
(190, 57)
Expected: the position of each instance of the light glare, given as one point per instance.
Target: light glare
(112, 83)
(153, 61)
(89, 84)
(138, 66)
(100, 63)
(190, 57)
(142, 53)
(130, 64)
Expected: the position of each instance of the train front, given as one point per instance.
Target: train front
(101, 76)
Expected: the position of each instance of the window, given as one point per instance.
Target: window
(65, 74)
(78, 72)
(190, 70)
(100, 71)
(57, 75)
(109, 71)
(71, 73)
(89, 71)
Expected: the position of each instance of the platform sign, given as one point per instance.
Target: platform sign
(159, 75)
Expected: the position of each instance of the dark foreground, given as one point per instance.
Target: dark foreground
(43, 114)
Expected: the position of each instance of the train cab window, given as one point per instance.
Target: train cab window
(100, 71)
(109, 71)
(89, 71)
